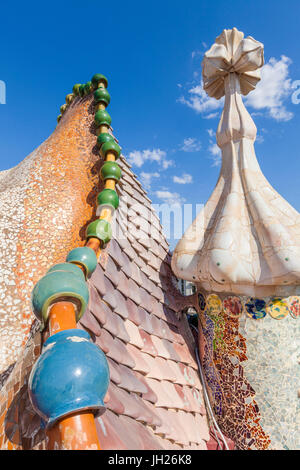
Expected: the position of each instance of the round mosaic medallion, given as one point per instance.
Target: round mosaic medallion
(233, 306)
(294, 305)
(255, 308)
(213, 304)
(201, 301)
(277, 308)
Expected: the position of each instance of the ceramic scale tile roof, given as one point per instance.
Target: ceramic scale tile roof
(154, 400)
(155, 391)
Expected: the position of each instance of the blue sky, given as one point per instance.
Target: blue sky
(151, 52)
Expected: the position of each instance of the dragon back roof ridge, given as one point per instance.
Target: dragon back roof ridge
(154, 400)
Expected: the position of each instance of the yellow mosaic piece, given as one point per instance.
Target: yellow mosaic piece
(213, 304)
(277, 308)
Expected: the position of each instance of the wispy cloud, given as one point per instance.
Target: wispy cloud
(170, 198)
(191, 145)
(199, 101)
(259, 139)
(214, 150)
(139, 157)
(216, 154)
(197, 53)
(167, 163)
(184, 179)
(211, 115)
(146, 178)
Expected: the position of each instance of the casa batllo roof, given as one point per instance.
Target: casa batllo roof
(155, 399)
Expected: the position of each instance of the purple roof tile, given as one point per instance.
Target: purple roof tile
(155, 392)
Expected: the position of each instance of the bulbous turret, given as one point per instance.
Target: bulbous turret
(247, 238)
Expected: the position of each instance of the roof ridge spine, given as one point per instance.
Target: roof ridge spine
(59, 300)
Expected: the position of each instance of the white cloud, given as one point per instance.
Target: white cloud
(196, 53)
(167, 163)
(200, 101)
(216, 153)
(191, 145)
(146, 178)
(211, 115)
(170, 198)
(259, 139)
(136, 158)
(139, 157)
(184, 179)
(214, 149)
(273, 89)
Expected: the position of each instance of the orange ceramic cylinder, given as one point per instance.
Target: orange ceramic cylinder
(78, 432)
(94, 244)
(61, 317)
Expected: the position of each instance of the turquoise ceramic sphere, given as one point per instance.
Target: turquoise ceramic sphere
(84, 256)
(64, 280)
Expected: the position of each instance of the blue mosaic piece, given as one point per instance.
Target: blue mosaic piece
(255, 308)
(201, 301)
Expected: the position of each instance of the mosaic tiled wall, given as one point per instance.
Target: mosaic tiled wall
(250, 352)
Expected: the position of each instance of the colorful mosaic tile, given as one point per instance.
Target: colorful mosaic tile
(253, 388)
(201, 301)
(233, 306)
(277, 308)
(272, 369)
(255, 308)
(294, 305)
(233, 397)
(213, 305)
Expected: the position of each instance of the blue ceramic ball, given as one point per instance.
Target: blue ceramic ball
(71, 375)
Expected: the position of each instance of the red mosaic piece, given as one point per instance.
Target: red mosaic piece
(233, 306)
(294, 306)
